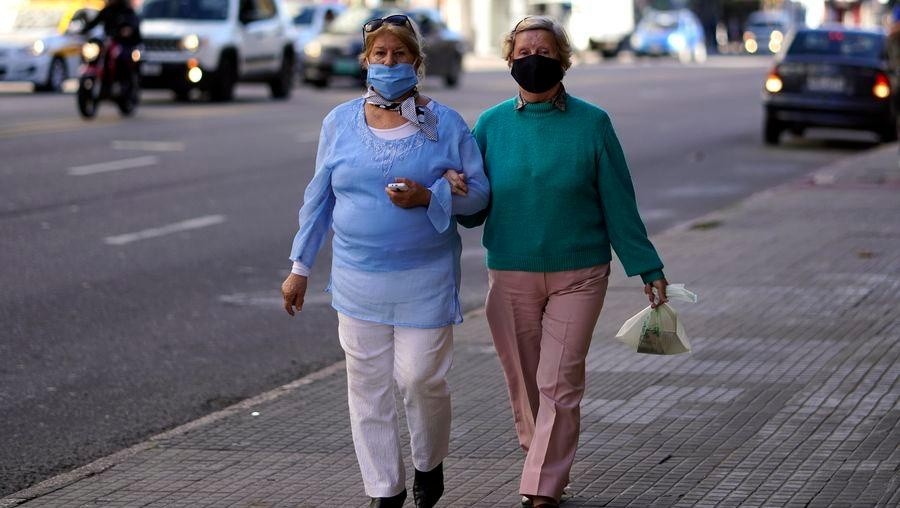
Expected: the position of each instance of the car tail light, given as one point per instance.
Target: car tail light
(773, 81)
(882, 86)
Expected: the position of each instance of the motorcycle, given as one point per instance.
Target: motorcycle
(101, 79)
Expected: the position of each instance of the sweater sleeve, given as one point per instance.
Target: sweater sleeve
(444, 204)
(476, 146)
(318, 202)
(627, 233)
(473, 167)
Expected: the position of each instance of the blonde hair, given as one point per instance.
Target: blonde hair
(563, 48)
(409, 37)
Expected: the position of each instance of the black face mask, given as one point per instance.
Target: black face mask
(537, 73)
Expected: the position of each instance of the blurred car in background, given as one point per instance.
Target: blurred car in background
(310, 20)
(765, 31)
(601, 26)
(675, 33)
(830, 77)
(335, 52)
(43, 45)
(211, 45)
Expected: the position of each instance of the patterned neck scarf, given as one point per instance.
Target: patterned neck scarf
(420, 116)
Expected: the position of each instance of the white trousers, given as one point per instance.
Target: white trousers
(419, 360)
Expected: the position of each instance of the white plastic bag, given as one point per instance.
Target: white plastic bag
(659, 331)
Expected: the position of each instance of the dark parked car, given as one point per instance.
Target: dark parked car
(335, 52)
(830, 77)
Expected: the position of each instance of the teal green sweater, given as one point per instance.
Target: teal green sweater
(561, 193)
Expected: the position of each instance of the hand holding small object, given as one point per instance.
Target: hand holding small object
(414, 195)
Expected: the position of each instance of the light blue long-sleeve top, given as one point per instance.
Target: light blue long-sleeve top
(390, 265)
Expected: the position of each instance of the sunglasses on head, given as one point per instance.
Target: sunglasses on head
(394, 19)
(516, 28)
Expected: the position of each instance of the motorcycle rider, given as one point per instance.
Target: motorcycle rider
(121, 24)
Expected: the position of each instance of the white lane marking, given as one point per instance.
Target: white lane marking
(105, 167)
(197, 223)
(149, 146)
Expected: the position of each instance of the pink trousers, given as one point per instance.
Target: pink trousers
(542, 323)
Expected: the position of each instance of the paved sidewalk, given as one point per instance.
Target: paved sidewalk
(791, 397)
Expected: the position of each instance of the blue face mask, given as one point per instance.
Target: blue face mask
(392, 82)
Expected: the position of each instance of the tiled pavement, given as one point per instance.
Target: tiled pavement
(789, 399)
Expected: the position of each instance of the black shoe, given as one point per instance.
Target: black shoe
(428, 487)
(388, 502)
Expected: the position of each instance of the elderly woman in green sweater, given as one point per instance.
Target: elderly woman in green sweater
(561, 197)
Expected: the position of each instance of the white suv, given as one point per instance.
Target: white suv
(212, 44)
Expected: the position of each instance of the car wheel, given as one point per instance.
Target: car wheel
(609, 54)
(56, 76)
(182, 94)
(222, 89)
(86, 98)
(772, 130)
(451, 79)
(888, 134)
(282, 83)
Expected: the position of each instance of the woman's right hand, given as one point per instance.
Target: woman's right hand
(457, 181)
(293, 290)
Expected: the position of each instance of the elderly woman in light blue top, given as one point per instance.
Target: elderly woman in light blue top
(395, 265)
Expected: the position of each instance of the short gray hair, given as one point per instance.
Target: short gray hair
(540, 23)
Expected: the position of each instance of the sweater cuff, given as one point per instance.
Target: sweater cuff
(651, 276)
(439, 209)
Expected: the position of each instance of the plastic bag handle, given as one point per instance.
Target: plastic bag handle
(678, 293)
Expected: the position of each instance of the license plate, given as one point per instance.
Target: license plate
(151, 69)
(830, 84)
(346, 66)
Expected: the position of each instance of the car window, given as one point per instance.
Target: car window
(837, 43)
(660, 21)
(305, 17)
(351, 21)
(185, 9)
(764, 20)
(37, 19)
(763, 24)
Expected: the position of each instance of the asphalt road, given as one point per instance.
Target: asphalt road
(140, 259)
